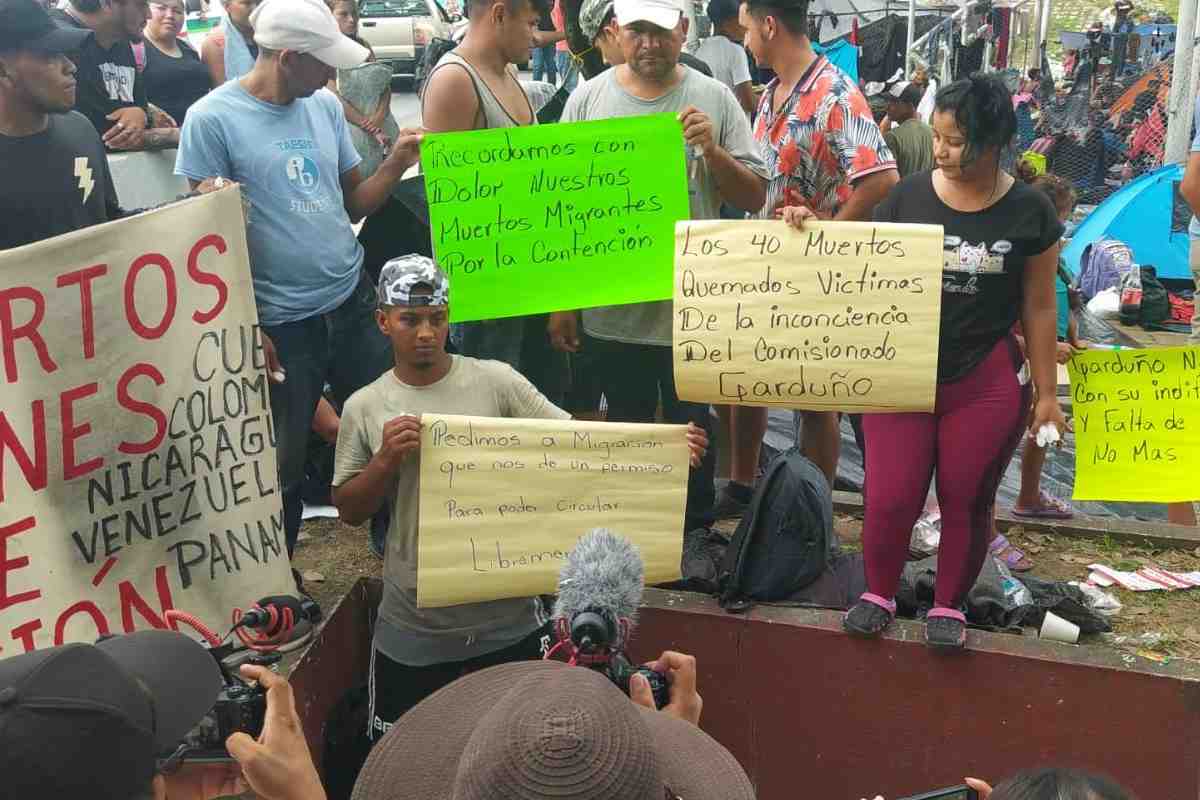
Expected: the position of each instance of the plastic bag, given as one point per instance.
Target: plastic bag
(1106, 304)
(1097, 599)
(927, 533)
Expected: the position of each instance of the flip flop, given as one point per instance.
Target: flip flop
(1012, 556)
(1048, 507)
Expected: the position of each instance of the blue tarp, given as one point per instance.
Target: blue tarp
(1140, 215)
(843, 55)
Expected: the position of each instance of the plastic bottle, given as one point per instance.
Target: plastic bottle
(1015, 592)
(1131, 296)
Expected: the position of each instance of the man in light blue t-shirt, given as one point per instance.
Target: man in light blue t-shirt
(1190, 189)
(284, 138)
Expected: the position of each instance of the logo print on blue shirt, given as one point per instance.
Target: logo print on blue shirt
(303, 173)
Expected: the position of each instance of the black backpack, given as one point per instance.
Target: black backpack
(1156, 304)
(784, 540)
(434, 51)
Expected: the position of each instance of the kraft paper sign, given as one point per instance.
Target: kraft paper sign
(843, 315)
(556, 217)
(1137, 424)
(137, 459)
(503, 501)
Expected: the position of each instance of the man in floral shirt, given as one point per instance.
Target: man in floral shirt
(824, 153)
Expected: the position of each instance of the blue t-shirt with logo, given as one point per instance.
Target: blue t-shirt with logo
(304, 256)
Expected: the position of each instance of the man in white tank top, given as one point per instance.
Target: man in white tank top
(474, 87)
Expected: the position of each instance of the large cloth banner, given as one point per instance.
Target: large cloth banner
(504, 500)
(1137, 424)
(556, 217)
(841, 316)
(137, 460)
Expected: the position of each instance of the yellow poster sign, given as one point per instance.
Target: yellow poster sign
(843, 315)
(1137, 424)
(504, 500)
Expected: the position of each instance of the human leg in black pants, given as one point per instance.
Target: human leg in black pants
(395, 688)
(634, 377)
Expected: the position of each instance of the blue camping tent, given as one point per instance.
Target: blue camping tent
(841, 54)
(1140, 214)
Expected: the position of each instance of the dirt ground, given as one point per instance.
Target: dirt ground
(1161, 626)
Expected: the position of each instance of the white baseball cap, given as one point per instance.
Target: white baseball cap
(663, 13)
(305, 26)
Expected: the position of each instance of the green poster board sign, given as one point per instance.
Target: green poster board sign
(556, 217)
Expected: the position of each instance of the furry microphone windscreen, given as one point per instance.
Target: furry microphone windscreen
(603, 573)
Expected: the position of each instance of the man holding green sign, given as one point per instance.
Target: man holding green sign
(631, 344)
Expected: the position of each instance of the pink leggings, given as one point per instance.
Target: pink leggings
(970, 437)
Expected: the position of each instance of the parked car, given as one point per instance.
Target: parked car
(399, 30)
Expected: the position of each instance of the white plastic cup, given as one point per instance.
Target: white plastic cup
(1057, 629)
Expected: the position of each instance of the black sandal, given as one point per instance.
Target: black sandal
(870, 616)
(946, 629)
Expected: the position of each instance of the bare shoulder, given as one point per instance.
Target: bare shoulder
(448, 82)
(450, 101)
(214, 43)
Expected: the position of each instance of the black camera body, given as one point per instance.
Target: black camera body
(594, 634)
(240, 708)
(619, 671)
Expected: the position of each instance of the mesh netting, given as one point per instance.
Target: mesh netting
(1096, 131)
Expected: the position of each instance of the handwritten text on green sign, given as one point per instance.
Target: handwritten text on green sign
(553, 217)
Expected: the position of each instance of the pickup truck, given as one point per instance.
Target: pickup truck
(399, 30)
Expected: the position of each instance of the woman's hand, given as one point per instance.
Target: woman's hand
(1047, 411)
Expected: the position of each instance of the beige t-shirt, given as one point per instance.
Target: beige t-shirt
(404, 633)
(604, 98)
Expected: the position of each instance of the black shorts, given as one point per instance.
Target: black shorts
(395, 688)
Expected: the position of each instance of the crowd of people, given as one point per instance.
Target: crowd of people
(358, 345)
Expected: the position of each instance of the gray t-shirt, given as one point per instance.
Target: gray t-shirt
(415, 636)
(604, 98)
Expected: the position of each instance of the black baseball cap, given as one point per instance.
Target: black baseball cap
(25, 25)
(88, 721)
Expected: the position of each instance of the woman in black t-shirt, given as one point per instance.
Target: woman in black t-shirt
(999, 259)
(174, 75)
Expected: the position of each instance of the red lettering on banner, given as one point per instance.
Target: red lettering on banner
(84, 278)
(34, 469)
(131, 600)
(131, 313)
(8, 565)
(24, 634)
(82, 607)
(208, 278)
(71, 432)
(139, 407)
(9, 332)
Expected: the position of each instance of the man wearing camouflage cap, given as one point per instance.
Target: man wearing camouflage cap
(418, 651)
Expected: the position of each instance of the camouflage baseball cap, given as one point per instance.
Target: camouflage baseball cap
(591, 17)
(401, 275)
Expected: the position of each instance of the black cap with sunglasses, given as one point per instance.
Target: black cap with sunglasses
(25, 25)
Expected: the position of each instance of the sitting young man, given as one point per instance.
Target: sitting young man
(418, 651)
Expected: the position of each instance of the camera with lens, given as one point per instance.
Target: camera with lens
(240, 708)
(593, 634)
